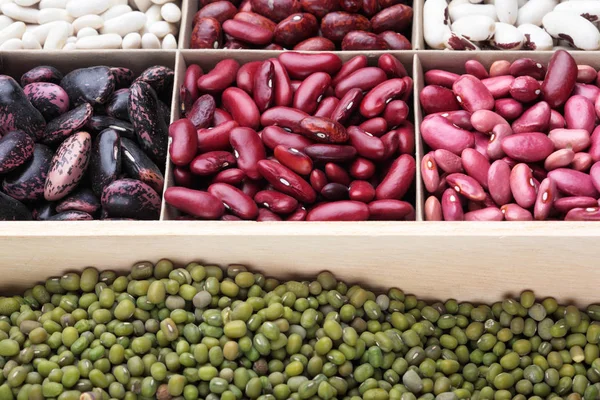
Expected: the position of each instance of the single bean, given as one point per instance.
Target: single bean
(514, 212)
(212, 162)
(335, 192)
(262, 89)
(286, 181)
(565, 204)
(361, 168)
(234, 200)
(582, 162)
(247, 32)
(556, 121)
(323, 130)
(485, 214)
(527, 67)
(484, 121)
(241, 106)
(534, 119)
(345, 210)
(451, 206)
(220, 77)
(499, 86)
(528, 147)
(573, 183)
(390, 210)
(574, 139)
(277, 202)
(375, 126)
(311, 91)
(438, 99)
(347, 106)
(377, 98)
(301, 65)
(441, 78)
(361, 40)
(509, 109)
(525, 89)
(580, 114)
(184, 142)
(361, 191)
(327, 107)
(448, 161)
(215, 139)
(318, 180)
(559, 159)
(500, 67)
(439, 133)
(406, 137)
(255, 19)
(476, 165)
(467, 186)
(396, 112)
(364, 79)
(398, 179)
(433, 209)
(392, 67)
(560, 79)
(430, 173)
(286, 117)
(494, 148)
(232, 176)
(195, 202)
(475, 68)
(583, 214)
(294, 159)
(316, 43)
(366, 145)
(522, 186)
(336, 174)
(545, 199)
(265, 215)
(245, 76)
(248, 150)
(330, 152)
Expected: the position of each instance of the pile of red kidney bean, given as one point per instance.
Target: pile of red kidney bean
(518, 142)
(91, 144)
(315, 25)
(298, 137)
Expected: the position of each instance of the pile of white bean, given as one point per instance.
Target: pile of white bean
(89, 24)
(512, 24)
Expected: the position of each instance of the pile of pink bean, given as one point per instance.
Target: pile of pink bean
(518, 142)
(298, 137)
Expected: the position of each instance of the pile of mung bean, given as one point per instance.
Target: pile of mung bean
(163, 332)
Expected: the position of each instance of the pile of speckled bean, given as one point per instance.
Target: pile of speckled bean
(322, 25)
(297, 137)
(518, 142)
(91, 144)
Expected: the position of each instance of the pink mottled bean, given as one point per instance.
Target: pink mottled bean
(195, 202)
(441, 78)
(586, 74)
(525, 89)
(278, 203)
(361, 168)
(472, 94)
(475, 68)
(438, 99)
(448, 161)
(574, 139)
(534, 119)
(236, 201)
(583, 214)
(430, 173)
(595, 175)
(556, 121)
(547, 193)
(528, 147)
(432, 209)
(476, 166)
(565, 204)
(559, 159)
(514, 212)
(375, 126)
(485, 214)
(398, 179)
(529, 67)
(494, 148)
(594, 150)
(361, 191)
(467, 186)
(451, 206)
(499, 86)
(326, 107)
(460, 118)
(573, 183)
(439, 133)
(484, 121)
(481, 143)
(390, 210)
(582, 162)
(580, 114)
(522, 185)
(509, 109)
(590, 92)
(560, 79)
(500, 67)
(345, 210)
(499, 182)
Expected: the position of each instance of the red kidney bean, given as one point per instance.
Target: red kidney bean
(432, 209)
(335, 25)
(323, 130)
(395, 18)
(334, 192)
(285, 117)
(476, 165)
(573, 183)
(295, 85)
(375, 126)
(499, 182)
(594, 150)
(216, 138)
(286, 181)
(233, 44)
(443, 185)
(581, 162)
(272, 136)
(255, 19)
(525, 89)
(366, 145)
(298, 215)
(294, 159)
(232, 176)
(283, 93)
(430, 173)
(451, 206)
(500, 67)
(467, 186)
(189, 90)
(248, 150)
(499, 86)
(229, 217)
(583, 214)
(361, 168)
(364, 79)
(574, 139)
(395, 40)
(579, 113)
(406, 138)
(472, 94)
(485, 214)
(336, 174)
(398, 179)
(545, 199)
(212, 162)
(301, 65)
(565, 204)
(206, 34)
(396, 112)
(440, 78)
(351, 6)
(556, 120)
(221, 116)
(241, 107)
(220, 10)
(220, 77)
(439, 133)
(392, 67)
(361, 191)
(184, 142)
(377, 98)
(296, 28)
(460, 118)
(276, 202)
(315, 44)
(195, 202)
(528, 147)
(590, 92)
(447, 161)
(236, 201)
(326, 107)
(494, 148)
(529, 67)
(263, 90)
(475, 68)
(509, 109)
(514, 212)
(522, 186)
(390, 210)
(560, 79)
(349, 67)
(534, 119)
(318, 180)
(251, 187)
(265, 215)
(245, 76)
(559, 159)
(183, 177)
(438, 99)
(345, 210)
(202, 112)
(347, 106)
(391, 142)
(311, 91)
(586, 74)
(484, 121)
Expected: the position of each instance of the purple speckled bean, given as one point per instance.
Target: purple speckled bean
(159, 77)
(433, 209)
(574, 139)
(448, 161)
(138, 165)
(583, 214)
(580, 114)
(484, 121)
(15, 149)
(514, 212)
(123, 76)
(43, 73)
(130, 198)
(472, 94)
(27, 182)
(527, 147)
(105, 160)
(499, 182)
(559, 159)
(499, 86)
(494, 147)
(430, 173)
(582, 162)
(92, 85)
(12, 209)
(573, 183)
(522, 185)
(467, 186)
(451, 206)
(68, 166)
(43, 212)
(485, 214)
(565, 204)
(534, 119)
(71, 215)
(509, 109)
(116, 105)
(545, 199)
(50, 99)
(16, 112)
(68, 123)
(439, 133)
(83, 200)
(476, 165)
(557, 121)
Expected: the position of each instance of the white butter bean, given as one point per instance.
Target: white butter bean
(589, 9)
(170, 12)
(88, 21)
(463, 10)
(57, 37)
(71, 39)
(53, 4)
(474, 27)
(132, 41)
(116, 11)
(113, 3)
(70, 47)
(41, 32)
(79, 8)
(5, 21)
(53, 14)
(507, 10)
(577, 30)
(162, 29)
(142, 5)
(12, 44)
(124, 24)
(26, 3)
(152, 15)
(507, 37)
(87, 31)
(30, 42)
(522, 2)
(436, 23)
(169, 42)
(19, 13)
(13, 31)
(108, 41)
(535, 38)
(160, 2)
(534, 10)
(150, 41)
